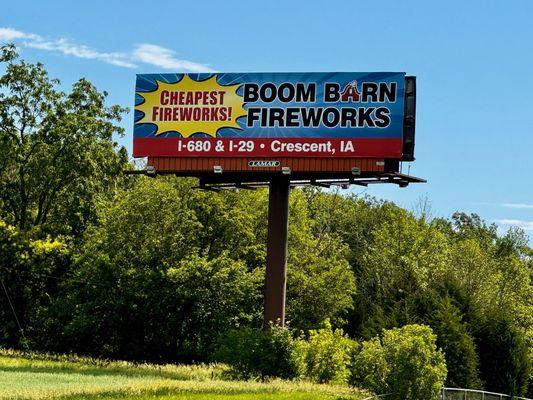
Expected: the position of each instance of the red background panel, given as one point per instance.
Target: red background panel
(297, 164)
(364, 147)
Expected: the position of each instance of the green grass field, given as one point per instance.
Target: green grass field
(36, 376)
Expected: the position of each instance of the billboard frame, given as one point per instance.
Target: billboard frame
(280, 174)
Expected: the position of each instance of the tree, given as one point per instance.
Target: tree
(31, 272)
(58, 153)
(457, 343)
(404, 263)
(473, 227)
(143, 288)
(491, 284)
(503, 352)
(320, 282)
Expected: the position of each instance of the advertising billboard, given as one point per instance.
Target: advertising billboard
(319, 115)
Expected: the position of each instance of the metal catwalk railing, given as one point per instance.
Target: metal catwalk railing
(468, 394)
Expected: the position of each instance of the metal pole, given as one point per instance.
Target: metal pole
(276, 269)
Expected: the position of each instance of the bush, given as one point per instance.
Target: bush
(404, 363)
(165, 314)
(255, 353)
(326, 355)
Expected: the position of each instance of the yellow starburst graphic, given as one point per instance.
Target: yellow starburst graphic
(190, 106)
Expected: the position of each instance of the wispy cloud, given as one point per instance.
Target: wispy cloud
(504, 205)
(517, 205)
(144, 53)
(64, 46)
(525, 225)
(7, 34)
(68, 48)
(165, 58)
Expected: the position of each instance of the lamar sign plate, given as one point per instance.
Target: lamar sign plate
(270, 115)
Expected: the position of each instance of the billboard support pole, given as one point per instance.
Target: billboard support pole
(276, 269)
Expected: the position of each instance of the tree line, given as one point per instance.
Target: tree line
(98, 263)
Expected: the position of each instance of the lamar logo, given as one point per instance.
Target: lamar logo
(263, 163)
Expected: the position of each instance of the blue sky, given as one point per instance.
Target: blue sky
(472, 60)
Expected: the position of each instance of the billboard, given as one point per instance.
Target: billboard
(320, 115)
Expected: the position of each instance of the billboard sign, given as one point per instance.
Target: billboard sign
(341, 114)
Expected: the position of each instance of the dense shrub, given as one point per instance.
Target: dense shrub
(326, 355)
(256, 353)
(403, 363)
(30, 271)
(137, 313)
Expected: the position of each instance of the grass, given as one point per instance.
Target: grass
(44, 377)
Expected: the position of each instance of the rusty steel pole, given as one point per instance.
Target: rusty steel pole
(276, 269)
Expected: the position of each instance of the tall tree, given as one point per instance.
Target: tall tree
(58, 151)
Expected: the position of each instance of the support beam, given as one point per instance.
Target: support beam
(276, 269)
(320, 184)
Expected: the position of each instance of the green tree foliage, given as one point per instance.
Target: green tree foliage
(491, 280)
(31, 270)
(325, 356)
(143, 288)
(455, 339)
(409, 269)
(403, 364)
(58, 153)
(320, 282)
(503, 352)
(137, 268)
(404, 262)
(257, 353)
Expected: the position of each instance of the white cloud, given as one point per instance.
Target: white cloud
(517, 205)
(504, 205)
(525, 225)
(64, 46)
(68, 48)
(7, 34)
(164, 58)
(145, 53)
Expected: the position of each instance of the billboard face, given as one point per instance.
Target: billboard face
(340, 114)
